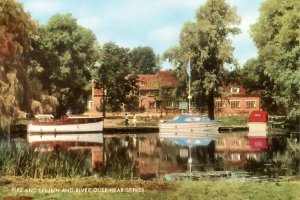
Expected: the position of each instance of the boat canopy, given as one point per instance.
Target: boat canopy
(190, 118)
(258, 116)
(191, 142)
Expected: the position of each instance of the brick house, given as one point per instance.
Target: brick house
(151, 88)
(235, 100)
(158, 89)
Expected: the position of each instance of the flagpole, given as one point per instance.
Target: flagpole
(189, 97)
(188, 71)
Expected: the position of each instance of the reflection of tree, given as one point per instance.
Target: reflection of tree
(205, 155)
(119, 162)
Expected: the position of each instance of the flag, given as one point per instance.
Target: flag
(188, 68)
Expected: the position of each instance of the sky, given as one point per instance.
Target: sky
(154, 23)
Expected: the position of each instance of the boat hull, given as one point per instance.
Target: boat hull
(66, 133)
(65, 128)
(189, 129)
(257, 129)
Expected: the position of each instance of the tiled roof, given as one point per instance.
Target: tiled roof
(153, 81)
(147, 82)
(167, 79)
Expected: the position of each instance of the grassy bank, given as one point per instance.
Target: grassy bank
(91, 188)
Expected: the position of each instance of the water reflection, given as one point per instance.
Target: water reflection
(148, 155)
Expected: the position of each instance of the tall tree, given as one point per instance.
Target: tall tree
(207, 45)
(276, 35)
(67, 54)
(254, 79)
(112, 76)
(17, 31)
(144, 61)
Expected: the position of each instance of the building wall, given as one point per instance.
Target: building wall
(230, 107)
(234, 101)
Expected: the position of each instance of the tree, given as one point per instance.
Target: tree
(67, 54)
(17, 31)
(144, 61)
(112, 76)
(254, 79)
(276, 35)
(207, 45)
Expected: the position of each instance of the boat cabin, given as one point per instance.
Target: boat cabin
(43, 118)
(258, 116)
(190, 118)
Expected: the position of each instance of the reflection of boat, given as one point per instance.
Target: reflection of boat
(189, 141)
(257, 123)
(258, 127)
(68, 131)
(189, 126)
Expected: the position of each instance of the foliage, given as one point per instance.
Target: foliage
(112, 76)
(17, 31)
(276, 35)
(254, 79)
(207, 45)
(144, 61)
(120, 164)
(19, 159)
(66, 52)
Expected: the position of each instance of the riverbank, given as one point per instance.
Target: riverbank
(104, 188)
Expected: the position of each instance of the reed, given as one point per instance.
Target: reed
(17, 158)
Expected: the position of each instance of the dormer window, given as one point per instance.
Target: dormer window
(235, 90)
(143, 82)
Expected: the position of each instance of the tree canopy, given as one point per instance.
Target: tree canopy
(206, 44)
(112, 76)
(17, 31)
(67, 53)
(144, 61)
(277, 36)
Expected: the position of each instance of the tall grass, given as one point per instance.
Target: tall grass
(19, 159)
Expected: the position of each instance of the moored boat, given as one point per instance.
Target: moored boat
(68, 131)
(257, 123)
(189, 125)
(258, 128)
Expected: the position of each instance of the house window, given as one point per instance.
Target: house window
(193, 104)
(234, 104)
(151, 104)
(91, 105)
(236, 143)
(218, 155)
(250, 104)
(152, 92)
(235, 156)
(247, 143)
(143, 82)
(220, 142)
(235, 90)
(143, 92)
(169, 104)
(251, 156)
(219, 104)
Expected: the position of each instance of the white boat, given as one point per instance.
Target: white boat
(68, 131)
(190, 126)
(257, 123)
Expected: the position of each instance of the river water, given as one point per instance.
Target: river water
(148, 155)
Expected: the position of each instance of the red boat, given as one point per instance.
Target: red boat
(257, 124)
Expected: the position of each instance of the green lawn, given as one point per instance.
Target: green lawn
(91, 188)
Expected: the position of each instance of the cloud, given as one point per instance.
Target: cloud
(92, 23)
(43, 7)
